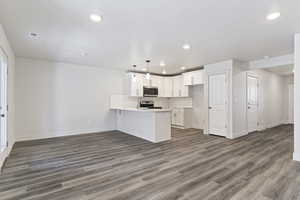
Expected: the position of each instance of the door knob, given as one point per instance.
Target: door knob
(2, 115)
(209, 107)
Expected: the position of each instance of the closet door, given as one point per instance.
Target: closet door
(217, 89)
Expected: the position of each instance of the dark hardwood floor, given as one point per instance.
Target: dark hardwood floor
(114, 165)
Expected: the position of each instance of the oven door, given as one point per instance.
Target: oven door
(150, 92)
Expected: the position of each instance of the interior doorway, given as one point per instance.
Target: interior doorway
(3, 100)
(252, 102)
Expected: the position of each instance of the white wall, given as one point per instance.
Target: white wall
(198, 106)
(57, 99)
(297, 99)
(271, 99)
(287, 81)
(239, 99)
(4, 44)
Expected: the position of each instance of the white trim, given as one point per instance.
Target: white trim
(5, 154)
(62, 134)
(296, 156)
(251, 74)
(4, 100)
(227, 108)
(272, 62)
(239, 134)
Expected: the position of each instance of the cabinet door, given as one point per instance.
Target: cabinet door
(184, 91)
(176, 87)
(157, 81)
(168, 87)
(136, 85)
(198, 77)
(187, 78)
(180, 90)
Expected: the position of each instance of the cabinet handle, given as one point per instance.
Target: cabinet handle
(192, 80)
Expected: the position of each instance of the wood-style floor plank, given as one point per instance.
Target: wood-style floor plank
(117, 166)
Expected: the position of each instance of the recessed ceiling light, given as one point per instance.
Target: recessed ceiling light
(162, 63)
(273, 16)
(95, 18)
(33, 35)
(144, 69)
(182, 68)
(164, 71)
(186, 47)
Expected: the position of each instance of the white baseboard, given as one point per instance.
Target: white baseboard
(239, 134)
(60, 134)
(296, 156)
(4, 155)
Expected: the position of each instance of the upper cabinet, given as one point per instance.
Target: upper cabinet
(157, 81)
(167, 86)
(193, 78)
(179, 90)
(136, 85)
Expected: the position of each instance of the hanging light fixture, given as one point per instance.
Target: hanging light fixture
(133, 77)
(148, 76)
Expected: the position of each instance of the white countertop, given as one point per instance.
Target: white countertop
(141, 110)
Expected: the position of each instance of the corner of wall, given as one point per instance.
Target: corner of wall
(296, 156)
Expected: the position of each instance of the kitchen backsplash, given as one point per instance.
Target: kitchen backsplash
(180, 102)
(132, 102)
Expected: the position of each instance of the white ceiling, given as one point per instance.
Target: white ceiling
(285, 70)
(135, 30)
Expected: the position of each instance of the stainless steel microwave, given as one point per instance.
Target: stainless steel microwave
(150, 91)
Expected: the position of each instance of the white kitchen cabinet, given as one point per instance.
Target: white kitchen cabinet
(157, 81)
(136, 85)
(179, 90)
(167, 87)
(182, 117)
(193, 78)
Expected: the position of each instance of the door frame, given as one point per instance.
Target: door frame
(291, 85)
(4, 147)
(258, 98)
(227, 84)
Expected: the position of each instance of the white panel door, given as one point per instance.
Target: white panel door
(291, 103)
(252, 98)
(3, 101)
(217, 105)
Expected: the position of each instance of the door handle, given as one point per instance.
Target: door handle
(249, 107)
(2, 115)
(209, 107)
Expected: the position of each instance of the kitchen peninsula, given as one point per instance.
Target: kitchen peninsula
(153, 125)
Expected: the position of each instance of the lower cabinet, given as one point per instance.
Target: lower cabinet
(182, 118)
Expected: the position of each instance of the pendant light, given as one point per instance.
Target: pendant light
(148, 76)
(133, 77)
